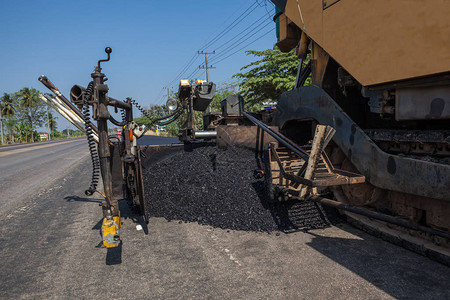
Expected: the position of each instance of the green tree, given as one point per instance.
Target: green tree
(267, 78)
(24, 130)
(10, 125)
(59, 135)
(51, 122)
(34, 108)
(7, 105)
(6, 111)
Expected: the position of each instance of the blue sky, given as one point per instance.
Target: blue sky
(152, 41)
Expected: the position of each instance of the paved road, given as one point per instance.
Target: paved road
(50, 248)
(157, 140)
(27, 169)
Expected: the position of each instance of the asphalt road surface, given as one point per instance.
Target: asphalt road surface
(26, 169)
(50, 247)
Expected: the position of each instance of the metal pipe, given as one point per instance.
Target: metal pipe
(378, 216)
(66, 113)
(279, 137)
(76, 93)
(61, 110)
(72, 114)
(49, 101)
(100, 91)
(45, 81)
(118, 104)
(205, 134)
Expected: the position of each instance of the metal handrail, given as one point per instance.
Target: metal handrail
(279, 137)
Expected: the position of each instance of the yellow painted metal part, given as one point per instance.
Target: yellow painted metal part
(110, 231)
(184, 82)
(377, 41)
(319, 64)
(289, 36)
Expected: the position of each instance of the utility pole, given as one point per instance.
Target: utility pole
(207, 67)
(168, 92)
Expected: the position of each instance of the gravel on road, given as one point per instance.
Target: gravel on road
(216, 187)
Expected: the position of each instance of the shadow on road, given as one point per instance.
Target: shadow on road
(79, 199)
(127, 211)
(400, 273)
(114, 255)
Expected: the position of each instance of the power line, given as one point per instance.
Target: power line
(190, 62)
(250, 28)
(248, 34)
(161, 99)
(160, 94)
(265, 7)
(224, 22)
(223, 33)
(231, 26)
(254, 5)
(197, 70)
(245, 46)
(238, 44)
(185, 69)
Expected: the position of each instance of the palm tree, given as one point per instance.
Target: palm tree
(11, 124)
(29, 98)
(6, 109)
(7, 105)
(51, 122)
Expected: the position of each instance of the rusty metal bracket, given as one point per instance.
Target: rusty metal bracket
(297, 175)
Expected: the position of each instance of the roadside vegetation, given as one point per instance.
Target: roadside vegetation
(23, 114)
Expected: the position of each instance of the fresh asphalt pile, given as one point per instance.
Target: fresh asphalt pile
(216, 187)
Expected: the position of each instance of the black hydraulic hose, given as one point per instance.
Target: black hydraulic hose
(175, 114)
(117, 123)
(140, 108)
(174, 118)
(91, 142)
(304, 74)
(123, 114)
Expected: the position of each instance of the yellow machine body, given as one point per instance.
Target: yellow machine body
(110, 231)
(375, 41)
